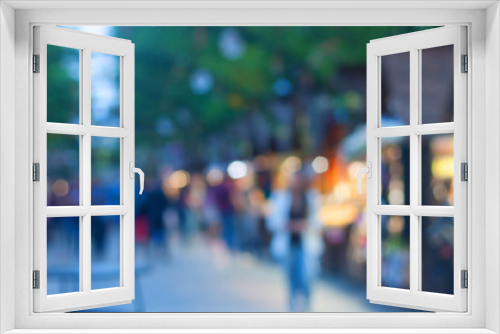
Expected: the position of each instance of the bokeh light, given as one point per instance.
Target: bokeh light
(179, 179)
(237, 169)
(60, 188)
(320, 164)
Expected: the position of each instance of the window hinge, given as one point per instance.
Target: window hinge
(36, 172)
(36, 63)
(36, 279)
(465, 279)
(464, 172)
(465, 64)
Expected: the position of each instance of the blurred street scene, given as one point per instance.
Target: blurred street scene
(250, 139)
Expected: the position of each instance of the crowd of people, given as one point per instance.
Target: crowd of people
(269, 173)
(280, 226)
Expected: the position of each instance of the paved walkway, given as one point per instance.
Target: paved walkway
(203, 277)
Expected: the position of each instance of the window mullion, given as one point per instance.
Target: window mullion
(434, 129)
(85, 165)
(414, 169)
(81, 180)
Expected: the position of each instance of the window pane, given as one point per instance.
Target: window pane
(105, 171)
(437, 254)
(63, 84)
(395, 170)
(395, 82)
(63, 258)
(437, 170)
(395, 232)
(105, 234)
(437, 84)
(63, 170)
(105, 90)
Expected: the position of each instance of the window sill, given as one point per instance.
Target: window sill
(248, 331)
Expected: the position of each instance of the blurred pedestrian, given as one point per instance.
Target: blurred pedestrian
(155, 208)
(247, 212)
(225, 209)
(297, 240)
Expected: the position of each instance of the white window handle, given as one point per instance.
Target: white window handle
(368, 171)
(133, 170)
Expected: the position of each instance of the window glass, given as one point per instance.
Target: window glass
(437, 84)
(63, 170)
(395, 95)
(395, 234)
(105, 171)
(395, 170)
(63, 84)
(105, 89)
(63, 257)
(437, 254)
(437, 170)
(105, 234)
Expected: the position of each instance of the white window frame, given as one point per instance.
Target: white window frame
(85, 43)
(482, 19)
(414, 43)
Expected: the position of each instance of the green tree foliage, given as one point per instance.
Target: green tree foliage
(169, 111)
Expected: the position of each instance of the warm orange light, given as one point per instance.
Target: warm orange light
(338, 215)
(179, 179)
(442, 167)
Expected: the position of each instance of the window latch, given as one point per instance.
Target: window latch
(368, 171)
(133, 170)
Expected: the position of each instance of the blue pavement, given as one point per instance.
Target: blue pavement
(203, 277)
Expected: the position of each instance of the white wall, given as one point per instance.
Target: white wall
(7, 160)
(492, 149)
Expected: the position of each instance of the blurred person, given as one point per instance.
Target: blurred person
(195, 197)
(183, 213)
(246, 218)
(155, 207)
(142, 223)
(356, 250)
(296, 239)
(225, 209)
(98, 237)
(247, 211)
(210, 214)
(258, 205)
(142, 231)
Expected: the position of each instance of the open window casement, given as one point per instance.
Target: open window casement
(420, 55)
(88, 134)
